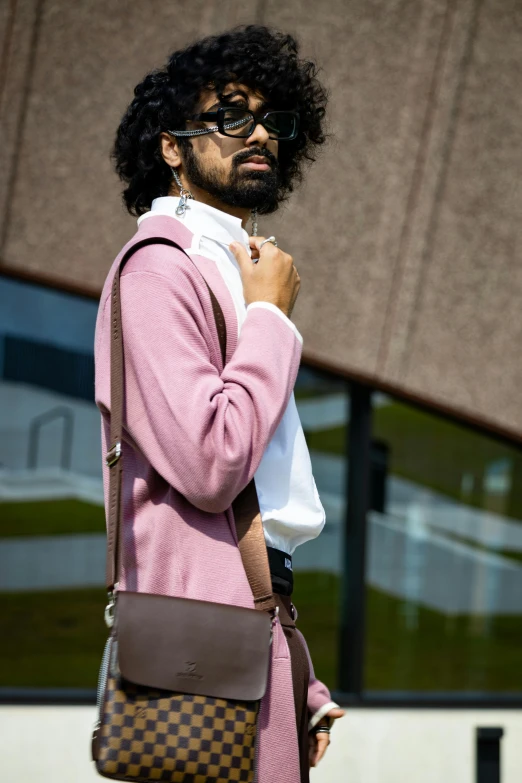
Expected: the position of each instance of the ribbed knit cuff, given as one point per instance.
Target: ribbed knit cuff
(321, 712)
(275, 309)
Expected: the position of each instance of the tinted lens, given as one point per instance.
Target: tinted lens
(237, 122)
(281, 124)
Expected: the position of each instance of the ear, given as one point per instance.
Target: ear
(169, 149)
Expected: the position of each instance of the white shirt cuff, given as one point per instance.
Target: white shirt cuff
(276, 309)
(321, 712)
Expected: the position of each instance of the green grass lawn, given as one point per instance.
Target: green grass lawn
(436, 654)
(53, 638)
(434, 453)
(50, 517)
(425, 449)
(56, 639)
(316, 597)
(414, 648)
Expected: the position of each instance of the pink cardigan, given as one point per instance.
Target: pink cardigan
(194, 435)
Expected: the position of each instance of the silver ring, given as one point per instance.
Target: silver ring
(270, 239)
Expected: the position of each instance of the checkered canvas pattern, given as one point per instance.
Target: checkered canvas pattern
(150, 735)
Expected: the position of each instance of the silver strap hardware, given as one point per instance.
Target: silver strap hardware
(113, 454)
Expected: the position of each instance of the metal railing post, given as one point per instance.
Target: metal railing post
(67, 435)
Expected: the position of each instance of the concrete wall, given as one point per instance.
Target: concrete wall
(52, 745)
(407, 236)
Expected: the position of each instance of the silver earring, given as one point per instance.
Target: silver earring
(184, 195)
(253, 216)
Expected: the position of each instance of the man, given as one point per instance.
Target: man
(217, 137)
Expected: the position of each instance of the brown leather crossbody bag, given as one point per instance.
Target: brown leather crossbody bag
(181, 680)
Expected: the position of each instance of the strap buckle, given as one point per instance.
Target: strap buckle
(113, 454)
(274, 616)
(109, 610)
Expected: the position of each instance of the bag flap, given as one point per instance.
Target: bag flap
(188, 646)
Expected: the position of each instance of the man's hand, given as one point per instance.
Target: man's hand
(273, 279)
(319, 742)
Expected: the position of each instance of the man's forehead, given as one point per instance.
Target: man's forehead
(233, 91)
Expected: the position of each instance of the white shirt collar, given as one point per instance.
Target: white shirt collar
(201, 219)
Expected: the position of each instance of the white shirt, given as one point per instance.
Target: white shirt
(290, 507)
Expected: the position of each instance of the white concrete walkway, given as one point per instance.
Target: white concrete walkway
(51, 745)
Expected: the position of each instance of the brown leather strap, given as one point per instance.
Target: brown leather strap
(245, 507)
(252, 546)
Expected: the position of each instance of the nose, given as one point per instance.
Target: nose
(258, 138)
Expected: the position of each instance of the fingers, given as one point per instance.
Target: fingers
(318, 745)
(319, 742)
(274, 280)
(268, 249)
(240, 254)
(323, 740)
(335, 712)
(255, 244)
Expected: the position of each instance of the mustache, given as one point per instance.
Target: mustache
(243, 157)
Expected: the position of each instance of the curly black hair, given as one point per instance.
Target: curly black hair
(262, 59)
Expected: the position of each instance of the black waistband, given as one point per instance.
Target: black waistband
(280, 571)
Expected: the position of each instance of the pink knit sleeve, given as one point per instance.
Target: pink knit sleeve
(203, 431)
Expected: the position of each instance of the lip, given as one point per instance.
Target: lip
(256, 163)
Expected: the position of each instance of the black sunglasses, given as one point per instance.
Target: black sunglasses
(241, 123)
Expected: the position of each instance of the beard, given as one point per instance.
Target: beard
(238, 188)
